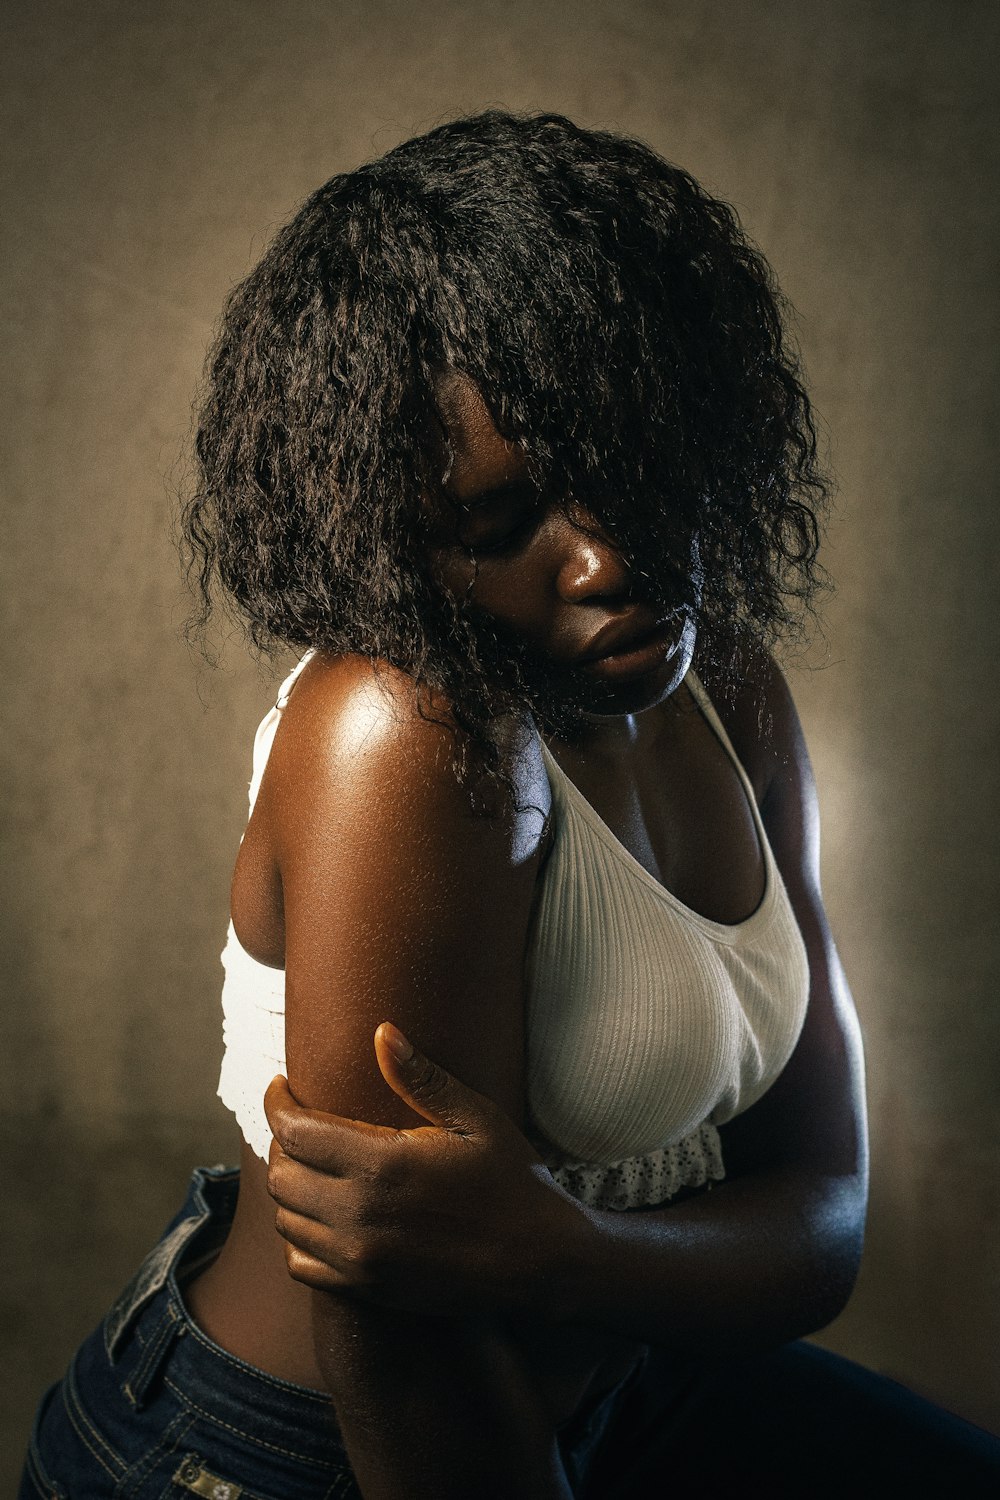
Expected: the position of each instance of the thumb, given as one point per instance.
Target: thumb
(428, 1088)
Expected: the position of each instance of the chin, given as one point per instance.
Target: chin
(640, 693)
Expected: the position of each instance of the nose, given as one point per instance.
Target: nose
(590, 566)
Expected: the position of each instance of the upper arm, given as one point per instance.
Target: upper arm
(400, 904)
(814, 1113)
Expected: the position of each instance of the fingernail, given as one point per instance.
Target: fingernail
(400, 1048)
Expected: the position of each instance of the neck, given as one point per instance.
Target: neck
(601, 734)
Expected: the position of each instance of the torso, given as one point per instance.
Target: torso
(671, 795)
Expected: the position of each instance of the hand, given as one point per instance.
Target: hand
(458, 1216)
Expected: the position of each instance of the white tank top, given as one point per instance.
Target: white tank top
(648, 1025)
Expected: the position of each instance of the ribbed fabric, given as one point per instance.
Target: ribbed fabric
(253, 994)
(648, 1025)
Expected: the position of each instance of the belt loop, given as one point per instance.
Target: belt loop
(150, 1278)
(153, 1357)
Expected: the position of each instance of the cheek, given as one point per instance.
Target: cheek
(510, 599)
(507, 593)
(452, 570)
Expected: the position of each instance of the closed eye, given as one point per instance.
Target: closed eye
(503, 521)
(509, 541)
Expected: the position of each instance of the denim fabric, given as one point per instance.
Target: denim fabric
(795, 1423)
(151, 1408)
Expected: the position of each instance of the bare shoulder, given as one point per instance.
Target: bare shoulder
(761, 719)
(359, 730)
(762, 722)
(399, 900)
(348, 708)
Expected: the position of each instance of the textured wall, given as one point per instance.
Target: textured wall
(151, 151)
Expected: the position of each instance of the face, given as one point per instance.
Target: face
(549, 581)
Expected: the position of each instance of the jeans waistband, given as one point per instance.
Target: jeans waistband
(150, 1338)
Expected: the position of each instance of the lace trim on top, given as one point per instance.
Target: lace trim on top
(644, 1181)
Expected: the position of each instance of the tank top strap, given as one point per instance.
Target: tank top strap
(268, 726)
(285, 690)
(700, 695)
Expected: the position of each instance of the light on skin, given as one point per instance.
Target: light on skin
(547, 573)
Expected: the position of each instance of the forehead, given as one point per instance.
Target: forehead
(481, 458)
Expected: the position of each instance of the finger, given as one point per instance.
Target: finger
(428, 1088)
(320, 1243)
(310, 1271)
(332, 1143)
(306, 1190)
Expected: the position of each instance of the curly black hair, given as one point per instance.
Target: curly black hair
(620, 327)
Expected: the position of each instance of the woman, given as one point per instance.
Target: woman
(504, 434)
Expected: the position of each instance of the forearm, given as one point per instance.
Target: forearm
(757, 1261)
(434, 1407)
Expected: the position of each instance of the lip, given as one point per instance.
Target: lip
(620, 635)
(617, 652)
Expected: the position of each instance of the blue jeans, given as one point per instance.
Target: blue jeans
(151, 1408)
(798, 1423)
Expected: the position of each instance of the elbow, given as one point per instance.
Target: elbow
(836, 1236)
(833, 1287)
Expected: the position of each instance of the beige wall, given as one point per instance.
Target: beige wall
(153, 148)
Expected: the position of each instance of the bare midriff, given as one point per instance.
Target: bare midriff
(246, 1302)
